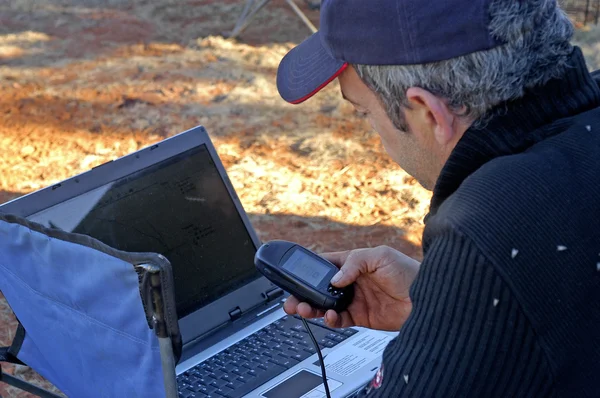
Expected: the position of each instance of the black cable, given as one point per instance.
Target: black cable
(321, 361)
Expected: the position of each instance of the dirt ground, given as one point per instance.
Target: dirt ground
(86, 81)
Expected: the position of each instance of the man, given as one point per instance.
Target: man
(487, 104)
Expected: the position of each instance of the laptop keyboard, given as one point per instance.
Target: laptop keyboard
(257, 359)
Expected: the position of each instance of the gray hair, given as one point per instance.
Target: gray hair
(537, 34)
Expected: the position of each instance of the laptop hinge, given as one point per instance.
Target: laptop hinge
(273, 293)
(235, 313)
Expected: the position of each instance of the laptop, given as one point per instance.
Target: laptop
(174, 198)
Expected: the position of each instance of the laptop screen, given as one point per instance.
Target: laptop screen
(179, 208)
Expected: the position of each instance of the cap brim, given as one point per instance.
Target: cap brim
(306, 69)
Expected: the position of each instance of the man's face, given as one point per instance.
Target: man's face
(415, 150)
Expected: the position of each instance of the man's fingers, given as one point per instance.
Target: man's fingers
(306, 311)
(332, 319)
(291, 304)
(336, 321)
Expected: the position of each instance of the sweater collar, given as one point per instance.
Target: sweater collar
(514, 126)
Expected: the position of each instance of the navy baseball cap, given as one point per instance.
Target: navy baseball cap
(382, 32)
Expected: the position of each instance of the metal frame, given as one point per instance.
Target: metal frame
(254, 6)
(161, 329)
(26, 386)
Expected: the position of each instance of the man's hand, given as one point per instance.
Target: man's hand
(382, 277)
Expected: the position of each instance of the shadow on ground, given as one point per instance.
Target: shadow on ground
(321, 234)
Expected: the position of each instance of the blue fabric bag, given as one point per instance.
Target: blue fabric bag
(84, 311)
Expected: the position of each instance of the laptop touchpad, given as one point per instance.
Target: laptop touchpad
(296, 386)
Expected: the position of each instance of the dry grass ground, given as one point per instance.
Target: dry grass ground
(83, 82)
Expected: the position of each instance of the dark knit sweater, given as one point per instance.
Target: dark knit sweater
(507, 300)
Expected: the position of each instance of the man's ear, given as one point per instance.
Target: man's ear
(433, 113)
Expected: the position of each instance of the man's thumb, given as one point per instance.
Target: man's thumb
(336, 278)
(346, 275)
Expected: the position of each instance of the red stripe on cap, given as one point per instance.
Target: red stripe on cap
(336, 74)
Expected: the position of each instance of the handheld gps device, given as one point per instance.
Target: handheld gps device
(302, 273)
